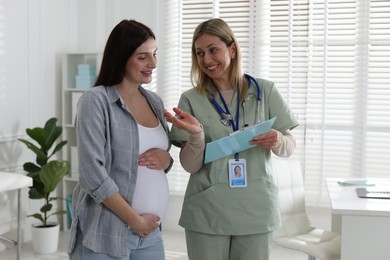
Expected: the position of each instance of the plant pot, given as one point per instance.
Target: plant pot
(45, 239)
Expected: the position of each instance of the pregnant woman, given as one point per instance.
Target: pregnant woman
(122, 140)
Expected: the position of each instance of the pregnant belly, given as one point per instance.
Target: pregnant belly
(151, 193)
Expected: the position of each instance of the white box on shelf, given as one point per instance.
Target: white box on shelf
(74, 162)
(75, 98)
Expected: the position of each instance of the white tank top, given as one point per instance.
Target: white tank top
(151, 190)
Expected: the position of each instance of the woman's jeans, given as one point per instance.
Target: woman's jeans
(138, 248)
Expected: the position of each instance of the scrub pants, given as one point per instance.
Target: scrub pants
(202, 246)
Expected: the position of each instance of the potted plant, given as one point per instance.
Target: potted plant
(46, 175)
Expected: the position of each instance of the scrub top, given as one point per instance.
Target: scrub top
(210, 206)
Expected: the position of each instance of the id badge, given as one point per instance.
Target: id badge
(237, 173)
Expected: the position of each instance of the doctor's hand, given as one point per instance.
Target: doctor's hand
(268, 140)
(183, 121)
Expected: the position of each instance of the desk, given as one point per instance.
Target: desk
(14, 181)
(364, 224)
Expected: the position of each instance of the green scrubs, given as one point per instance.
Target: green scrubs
(210, 205)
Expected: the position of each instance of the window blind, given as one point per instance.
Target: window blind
(329, 59)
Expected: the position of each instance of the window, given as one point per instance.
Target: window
(329, 59)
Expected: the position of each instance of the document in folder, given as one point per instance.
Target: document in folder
(236, 142)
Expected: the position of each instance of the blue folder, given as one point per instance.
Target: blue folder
(236, 142)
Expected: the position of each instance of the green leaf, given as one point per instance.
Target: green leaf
(46, 208)
(37, 216)
(41, 155)
(52, 173)
(59, 147)
(31, 167)
(36, 192)
(57, 198)
(60, 212)
(52, 132)
(37, 134)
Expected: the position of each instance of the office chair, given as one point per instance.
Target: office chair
(297, 232)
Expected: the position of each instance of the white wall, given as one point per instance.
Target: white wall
(33, 34)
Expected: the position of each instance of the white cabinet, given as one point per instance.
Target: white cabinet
(74, 64)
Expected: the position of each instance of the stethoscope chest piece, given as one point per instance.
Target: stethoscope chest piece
(226, 119)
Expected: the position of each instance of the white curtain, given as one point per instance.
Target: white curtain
(329, 59)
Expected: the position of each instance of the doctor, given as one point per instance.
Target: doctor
(223, 221)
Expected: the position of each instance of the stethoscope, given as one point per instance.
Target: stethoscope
(226, 117)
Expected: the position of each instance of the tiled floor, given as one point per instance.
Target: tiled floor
(175, 249)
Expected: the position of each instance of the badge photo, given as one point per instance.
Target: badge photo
(237, 173)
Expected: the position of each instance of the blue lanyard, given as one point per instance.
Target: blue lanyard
(226, 116)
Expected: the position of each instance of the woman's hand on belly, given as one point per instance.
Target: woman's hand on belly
(145, 225)
(155, 158)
